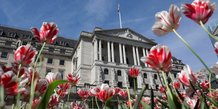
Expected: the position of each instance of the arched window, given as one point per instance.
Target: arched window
(119, 73)
(106, 71)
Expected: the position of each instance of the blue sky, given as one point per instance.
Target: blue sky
(74, 16)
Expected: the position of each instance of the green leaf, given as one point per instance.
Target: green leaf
(45, 99)
(139, 98)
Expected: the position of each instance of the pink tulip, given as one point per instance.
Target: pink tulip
(186, 76)
(199, 10)
(167, 21)
(159, 58)
(47, 33)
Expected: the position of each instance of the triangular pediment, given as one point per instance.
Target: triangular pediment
(126, 33)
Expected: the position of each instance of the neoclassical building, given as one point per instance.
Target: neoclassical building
(101, 56)
(105, 56)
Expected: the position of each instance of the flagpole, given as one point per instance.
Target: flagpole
(119, 13)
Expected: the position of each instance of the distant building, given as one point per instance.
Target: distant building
(101, 56)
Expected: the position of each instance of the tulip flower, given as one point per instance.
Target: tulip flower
(73, 79)
(94, 91)
(167, 21)
(24, 55)
(186, 76)
(9, 82)
(176, 84)
(105, 93)
(123, 93)
(133, 72)
(216, 48)
(199, 10)
(159, 58)
(83, 93)
(47, 33)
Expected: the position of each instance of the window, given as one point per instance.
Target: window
(119, 73)
(119, 84)
(61, 62)
(145, 75)
(62, 51)
(155, 76)
(147, 86)
(8, 43)
(50, 61)
(50, 49)
(106, 71)
(157, 86)
(4, 55)
(61, 72)
(106, 82)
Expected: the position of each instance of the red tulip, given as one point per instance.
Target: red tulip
(166, 22)
(159, 58)
(176, 84)
(62, 90)
(199, 10)
(186, 76)
(9, 82)
(105, 93)
(133, 72)
(205, 84)
(47, 33)
(162, 89)
(216, 48)
(73, 79)
(24, 55)
(94, 91)
(83, 93)
(54, 100)
(123, 93)
(75, 105)
(191, 102)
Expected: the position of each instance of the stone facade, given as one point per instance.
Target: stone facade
(101, 56)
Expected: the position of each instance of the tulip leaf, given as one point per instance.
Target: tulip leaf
(50, 90)
(139, 98)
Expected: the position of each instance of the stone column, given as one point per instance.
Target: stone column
(99, 50)
(124, 54)
(143, 51)
(134, 57)
(95, 50)
(112, 51)
(121, 55)
(108, 51)
(137, 56)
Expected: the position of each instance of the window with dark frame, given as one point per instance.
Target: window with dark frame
(106, 71)
(119, 73)
(50, 61)
(106, 82)
(61, 62)
(155, 76)
(51, 49)
(120, 84)
(145, 75)
(4, 55)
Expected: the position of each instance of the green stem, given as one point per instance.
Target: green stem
(199, 58)
(18, 94)
(127, 89)
(205, 29)
(33, 83)
(134, 81)
(96, 101)
(166, 83)
(37, 58)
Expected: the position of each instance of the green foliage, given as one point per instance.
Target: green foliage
(50, 90)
